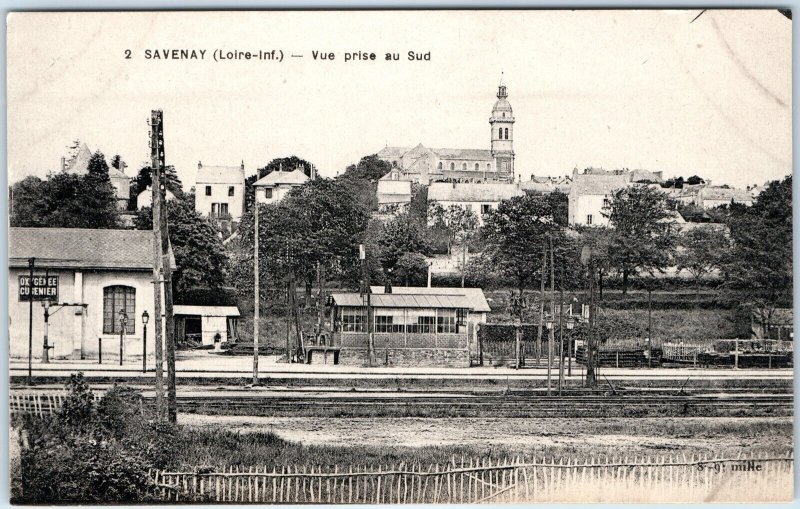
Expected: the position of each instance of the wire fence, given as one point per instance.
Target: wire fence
(696, 478)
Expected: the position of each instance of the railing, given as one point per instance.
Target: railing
(620, 479)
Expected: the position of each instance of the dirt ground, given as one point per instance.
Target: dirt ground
(667, 435)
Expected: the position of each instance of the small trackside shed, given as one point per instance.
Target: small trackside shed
(408, 329)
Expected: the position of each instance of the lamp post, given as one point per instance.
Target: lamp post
(45, 346)
(571, 346)
(549, 325)
(123, 322)
(145, 319)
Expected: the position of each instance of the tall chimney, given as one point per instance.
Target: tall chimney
(242, 163)
(63, 163)
(199, 164)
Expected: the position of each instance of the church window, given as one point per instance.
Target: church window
(440, 165)
(500, 133)
(504, 114)
(463, 166)
(488, 166)
(477, 167)
(506, 132)
(452, 166)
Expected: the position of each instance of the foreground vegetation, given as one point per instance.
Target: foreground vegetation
(102, 451)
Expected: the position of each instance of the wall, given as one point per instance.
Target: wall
(583, 205)
(417, 350)
(278, 194)
(219, 194)
(74, 331)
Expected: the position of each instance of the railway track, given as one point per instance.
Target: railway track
(339, 404)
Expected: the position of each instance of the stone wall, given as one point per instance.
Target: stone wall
(415, 357)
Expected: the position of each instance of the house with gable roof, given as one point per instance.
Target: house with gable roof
(273, 187)
(219, 191)
(79, 165)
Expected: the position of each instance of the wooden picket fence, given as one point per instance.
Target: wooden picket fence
(639, 479)
(37, 403)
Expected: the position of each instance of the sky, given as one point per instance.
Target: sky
(612, 89)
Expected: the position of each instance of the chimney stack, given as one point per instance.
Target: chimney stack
(199, 164)
(63, 163)
(242, 163)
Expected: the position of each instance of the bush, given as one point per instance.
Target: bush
(94, 452)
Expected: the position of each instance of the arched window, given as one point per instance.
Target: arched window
(500, 133)
(463, 166)
(452, 166)
(394, 164)
(477, 168)
(116, 298)
(488, 166)
(440, 165)
(506, 132)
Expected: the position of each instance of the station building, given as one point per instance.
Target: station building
(410, 326)
(90, 277)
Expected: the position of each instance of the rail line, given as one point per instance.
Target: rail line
(449, 405)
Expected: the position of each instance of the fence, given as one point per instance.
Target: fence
(36, 403)
(622, 479)
(767, 353)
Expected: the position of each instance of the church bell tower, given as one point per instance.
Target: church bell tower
(502, 125)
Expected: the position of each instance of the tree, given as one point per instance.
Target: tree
(760, 261)
(199, 254)
(144, 179)
(642, 237)
(516, 233)
(369, 168)
(458, 223)
(66, 200)
(411, 269)
(702, 251)
(400, 235)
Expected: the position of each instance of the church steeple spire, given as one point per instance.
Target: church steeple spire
(502, 133)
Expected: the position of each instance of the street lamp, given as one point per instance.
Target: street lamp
(46, 347)
(123, 322)
(145, 319)
(571, 349)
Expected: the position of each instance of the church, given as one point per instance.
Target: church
(424, 165)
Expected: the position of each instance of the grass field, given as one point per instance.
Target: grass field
(251, 441)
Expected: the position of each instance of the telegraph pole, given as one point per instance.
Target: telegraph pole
(156, 153)
(551, 332)
(256, 296)
(166, 265)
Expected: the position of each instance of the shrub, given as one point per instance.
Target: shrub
(93, 452)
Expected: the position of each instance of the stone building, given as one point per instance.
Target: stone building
(478, 197)
(423, 164)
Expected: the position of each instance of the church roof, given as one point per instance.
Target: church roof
(472, 192)
(392, 151)
(472, 154)
(464, 153)
(276, 178)
(220, 175)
